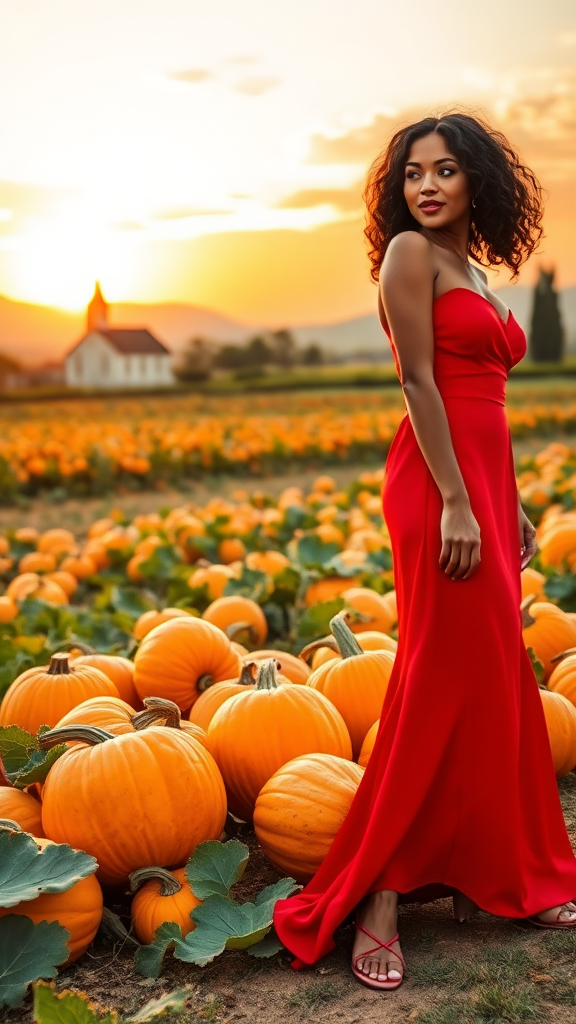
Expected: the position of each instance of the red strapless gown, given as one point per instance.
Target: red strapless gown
(460, 788)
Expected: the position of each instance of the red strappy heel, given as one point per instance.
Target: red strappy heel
(364, 978)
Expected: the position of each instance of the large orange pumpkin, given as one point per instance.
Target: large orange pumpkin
(560, 717)
(79, 909)
(369, 610)
(182, 658)
(132, 801)
(117, 717)
(368, 744)
(563, 677)
(22, 808)
(30, 584)
(238, 617)
(356, 683)
(254, 733)
(325, 649)
(119, 670)
(203, 711)
(293, 668)
(161, 896)
(300, 809)
(149, 620)
(44, 694)
(547, 629)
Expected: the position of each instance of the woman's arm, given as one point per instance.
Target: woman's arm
(406, 290)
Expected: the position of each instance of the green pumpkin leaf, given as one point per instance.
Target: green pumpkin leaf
(131, 601)
(148, 959)
(267, 946)
(51, 1007)
(160, 564)
(315, 621)
(251, 583)
(22, 760)
(312, 552)
(215, 866)
(277, 891)
(28, 952)
(222, 924)
(172, 1002)
(26, 870)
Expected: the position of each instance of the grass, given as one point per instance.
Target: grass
(315, 995)
(495, 1003)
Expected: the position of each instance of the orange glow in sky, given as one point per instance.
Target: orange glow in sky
(213, 154)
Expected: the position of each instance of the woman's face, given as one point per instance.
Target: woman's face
(433, 177)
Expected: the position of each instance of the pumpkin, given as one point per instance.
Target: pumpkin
(117, 717)
(181, 658)
(8, 609)
(300, 809)
(79, 909)
(356, 683)
(65, 580)
(230, 549)
(81, 566)
(238, 616)
(255, 732)
(328, 588)
(22, 808)
(119, 670)
(57, 541)
(560, 717)
(563, 677)
(148, 620)
(271, 562)
(369, 610)
(532, 582)
(132, 801)
(37, 561)
(325, 649)
(203, 711)
(30, 584)
(161, 896)
(547, 629)
(214, 577)
(44, 694)
(293, 668)
(368, 744)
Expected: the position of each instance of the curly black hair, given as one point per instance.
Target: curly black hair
(506, 221)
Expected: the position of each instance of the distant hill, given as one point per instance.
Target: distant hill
(36, 334)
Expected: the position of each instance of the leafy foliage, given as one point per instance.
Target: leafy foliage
(23, 762)
(26, 870)
(220, 922)
(51, 1007)
(28, 952)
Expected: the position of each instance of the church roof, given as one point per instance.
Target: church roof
(129, 341)
(135, 340)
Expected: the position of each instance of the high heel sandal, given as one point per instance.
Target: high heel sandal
(536, 920)
(364, 978)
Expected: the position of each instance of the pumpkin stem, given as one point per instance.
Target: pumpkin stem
(90, 734)
(10, 824)
(316, 645)
(71, 645)
(527, 619)
(564, 654)
(169, 885)
(157, 710)
(236, 628)
(347, 642)
(266, 678)
(248, 673)
(205, 682)
(59, 664)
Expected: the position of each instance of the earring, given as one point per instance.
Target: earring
(473, 202)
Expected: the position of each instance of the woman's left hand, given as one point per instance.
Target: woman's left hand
(527, 537)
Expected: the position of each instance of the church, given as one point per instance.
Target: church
(116, 357)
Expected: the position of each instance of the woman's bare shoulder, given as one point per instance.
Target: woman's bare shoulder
(408, 254)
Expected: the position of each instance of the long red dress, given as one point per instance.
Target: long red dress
(460, 788)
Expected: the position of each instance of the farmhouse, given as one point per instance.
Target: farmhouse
(116, 357)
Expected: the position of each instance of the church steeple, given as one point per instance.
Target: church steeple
(97, 312)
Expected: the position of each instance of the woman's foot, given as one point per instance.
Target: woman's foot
(379, 914)
(562, 916)
(464, 908)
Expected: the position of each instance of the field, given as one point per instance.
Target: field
(115, 509)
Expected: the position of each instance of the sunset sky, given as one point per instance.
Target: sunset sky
(213, 152)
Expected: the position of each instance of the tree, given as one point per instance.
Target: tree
(546, 335)
(196, 360)
(258, 352)
(231, 357)
(284, 348)
(312, 355)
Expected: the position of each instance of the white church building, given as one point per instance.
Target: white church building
(116, 357)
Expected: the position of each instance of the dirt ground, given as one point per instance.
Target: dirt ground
(488, 970)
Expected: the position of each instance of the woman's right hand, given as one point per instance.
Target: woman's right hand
(460, 553)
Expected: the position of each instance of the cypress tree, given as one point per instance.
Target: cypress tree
(546, 335)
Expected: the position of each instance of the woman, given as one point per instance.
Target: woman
(459, 796)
